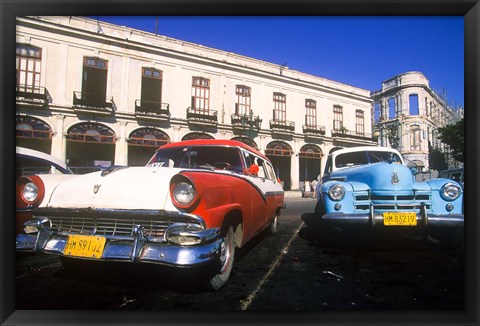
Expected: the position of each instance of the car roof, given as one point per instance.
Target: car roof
(213, 142)
(22, 151)
(365, 148)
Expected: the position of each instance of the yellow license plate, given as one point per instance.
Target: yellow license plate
(84, 246)
(400, 218)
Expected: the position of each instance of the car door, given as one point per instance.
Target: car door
(256, 176)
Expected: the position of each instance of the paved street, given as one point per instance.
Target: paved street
(294, 270)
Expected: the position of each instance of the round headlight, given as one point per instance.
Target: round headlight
(450, 191)
(30, 192)
(336, 192)
(183, 193)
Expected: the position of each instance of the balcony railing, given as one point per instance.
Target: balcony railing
(202, 117)
(246, 121)
(279, 125)
(313, 130)
(32, 95)
(152, 110)
(92, 104)
(343, 133)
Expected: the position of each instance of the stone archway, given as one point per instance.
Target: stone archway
(33, 133)
(310, 156)
(90, 146)
(334, 149)
(197, 135)
(142, 144)
(280, 154)
(246, 140)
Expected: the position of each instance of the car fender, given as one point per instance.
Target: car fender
(51, 182)
(221, 193)
(328, 205)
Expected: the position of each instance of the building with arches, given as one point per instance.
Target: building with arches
(95, 94)
(407, 115)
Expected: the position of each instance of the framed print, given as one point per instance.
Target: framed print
(129, 89)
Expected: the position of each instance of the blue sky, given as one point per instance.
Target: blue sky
(358, 51)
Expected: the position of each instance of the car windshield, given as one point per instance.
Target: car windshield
(198, 157)
(365, 157)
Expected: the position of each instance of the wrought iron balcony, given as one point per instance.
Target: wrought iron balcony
(246, 121)
(148, 110)
(202, 117)
(33, 96)
(344, 133)
(92, 104)
(310, 130)
(281, 125)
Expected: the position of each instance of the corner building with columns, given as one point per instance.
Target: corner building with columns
(96, 94)
(407, 116)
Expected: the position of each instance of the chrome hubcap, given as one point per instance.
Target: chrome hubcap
(224, 254)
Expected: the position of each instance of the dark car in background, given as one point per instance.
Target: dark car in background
(454, 174)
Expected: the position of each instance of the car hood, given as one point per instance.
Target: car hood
(122, 188)
(378, 176)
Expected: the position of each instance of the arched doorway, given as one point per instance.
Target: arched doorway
(246, 140)
(142, 144)
(309, 162)
(90, 146)
(33, 133)
(197, 135)
(280, 154)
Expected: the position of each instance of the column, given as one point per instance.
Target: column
(325, 151)
(294, 171)
(59, 139)
(261, 144)
(294, 167)
(323, 162)
(176, 137)
(121, 146)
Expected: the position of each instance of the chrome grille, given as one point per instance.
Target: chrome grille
(412, 202)
(117, 223)
(108, 226)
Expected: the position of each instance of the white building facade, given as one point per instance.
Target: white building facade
(407, 115)
(93, 93)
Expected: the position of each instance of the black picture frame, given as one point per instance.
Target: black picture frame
(469, 9)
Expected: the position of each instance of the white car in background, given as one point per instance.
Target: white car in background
(30, 162)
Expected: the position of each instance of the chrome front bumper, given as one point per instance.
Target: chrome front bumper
(373, 219)
(365, 219)
(136, 250)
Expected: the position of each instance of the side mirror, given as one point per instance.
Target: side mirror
(414, 170)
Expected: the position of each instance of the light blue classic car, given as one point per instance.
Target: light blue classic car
(372, 186)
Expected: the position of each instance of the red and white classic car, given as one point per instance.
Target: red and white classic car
(190, 206)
